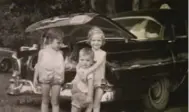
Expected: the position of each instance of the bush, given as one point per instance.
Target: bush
(15, 17)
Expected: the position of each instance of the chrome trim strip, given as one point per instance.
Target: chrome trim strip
(18, 63)
(138, 17)
(114, 38)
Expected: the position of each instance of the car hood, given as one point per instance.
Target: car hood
(71, 23)
(5, 52)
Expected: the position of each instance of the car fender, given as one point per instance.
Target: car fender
(4, 58)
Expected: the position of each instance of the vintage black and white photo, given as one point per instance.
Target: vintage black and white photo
(94, 56)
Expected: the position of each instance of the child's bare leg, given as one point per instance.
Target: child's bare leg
(55, 98)
(75, 109)
(45, 97)
(89, 108)
(97, 99)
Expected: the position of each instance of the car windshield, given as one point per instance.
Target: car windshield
(142, 28)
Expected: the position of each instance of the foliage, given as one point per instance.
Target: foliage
(15, 17)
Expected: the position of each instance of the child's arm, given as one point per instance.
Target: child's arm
(90, 88)
(77, 67)
(36, 73)
(61, 70)
(96, 65)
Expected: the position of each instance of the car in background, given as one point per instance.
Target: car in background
(168, 28)
(6, 60)
(147, 52)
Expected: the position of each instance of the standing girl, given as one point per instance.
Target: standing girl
(50, 70)
(96, 39)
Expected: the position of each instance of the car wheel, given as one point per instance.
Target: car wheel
(5, 66)
(158, 95)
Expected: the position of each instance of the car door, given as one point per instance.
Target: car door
(146, 58)
(180, 46)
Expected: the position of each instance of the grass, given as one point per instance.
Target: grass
(31, 103)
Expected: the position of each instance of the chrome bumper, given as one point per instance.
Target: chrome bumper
(18, 87)
(16, 66)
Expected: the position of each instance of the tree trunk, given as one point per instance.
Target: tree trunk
(141, 4)
(145, 4)
(106, 7)
(111, 9)
(92, 3)
(135, 5)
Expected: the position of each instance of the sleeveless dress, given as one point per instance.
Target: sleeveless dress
(51, 66)
(99, 73)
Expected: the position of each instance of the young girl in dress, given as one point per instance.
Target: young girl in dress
(49, 70)
(96, 39)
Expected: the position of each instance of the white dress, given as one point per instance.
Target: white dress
(99, 73)
(51, 64)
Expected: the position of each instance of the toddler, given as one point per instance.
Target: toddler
(82, 90)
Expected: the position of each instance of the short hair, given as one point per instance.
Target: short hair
(54, 33)
(96, 30)
(86, 52)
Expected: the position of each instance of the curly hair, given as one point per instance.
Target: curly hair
(54, 33)
(96, 30)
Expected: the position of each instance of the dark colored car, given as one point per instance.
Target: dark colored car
(147, 52)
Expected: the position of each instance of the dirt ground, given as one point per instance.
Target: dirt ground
(31, 103)
(23, 103)
(14, 103)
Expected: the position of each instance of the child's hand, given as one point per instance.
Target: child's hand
(69, 85)
(35, 82)
(60, 76)
(89, 100)
(85, 72)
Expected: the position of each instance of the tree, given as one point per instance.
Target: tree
(105, 7)
(16, 15)
(135, 5)
(111, 9)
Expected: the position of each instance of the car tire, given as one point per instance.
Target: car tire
(5, 65)
(158, 95)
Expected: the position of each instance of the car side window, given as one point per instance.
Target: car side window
(153, 30)
(110, 30)
(142, 28)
